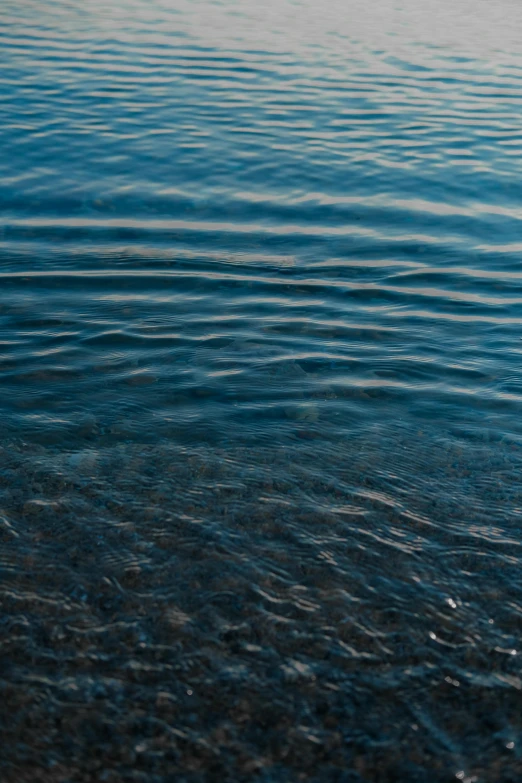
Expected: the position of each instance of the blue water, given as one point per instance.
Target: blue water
(261, 386)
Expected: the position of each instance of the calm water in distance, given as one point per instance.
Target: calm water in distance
(261, 386)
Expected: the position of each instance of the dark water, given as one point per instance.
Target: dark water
(260, 367)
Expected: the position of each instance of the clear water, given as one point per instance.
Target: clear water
(260, 367)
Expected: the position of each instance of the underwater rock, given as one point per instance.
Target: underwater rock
(305, 412)
(84, 461)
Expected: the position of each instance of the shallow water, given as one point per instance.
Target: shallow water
(260, 346)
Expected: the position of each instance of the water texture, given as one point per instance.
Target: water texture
(260, 410)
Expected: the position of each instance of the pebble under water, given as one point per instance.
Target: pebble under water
(260, 375)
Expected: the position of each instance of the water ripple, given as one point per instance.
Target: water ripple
(260, 453)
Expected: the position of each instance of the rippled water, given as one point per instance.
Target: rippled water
(260, 364)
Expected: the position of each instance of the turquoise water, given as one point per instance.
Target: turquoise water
(260, 370)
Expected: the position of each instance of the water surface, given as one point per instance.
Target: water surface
(260, 347)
